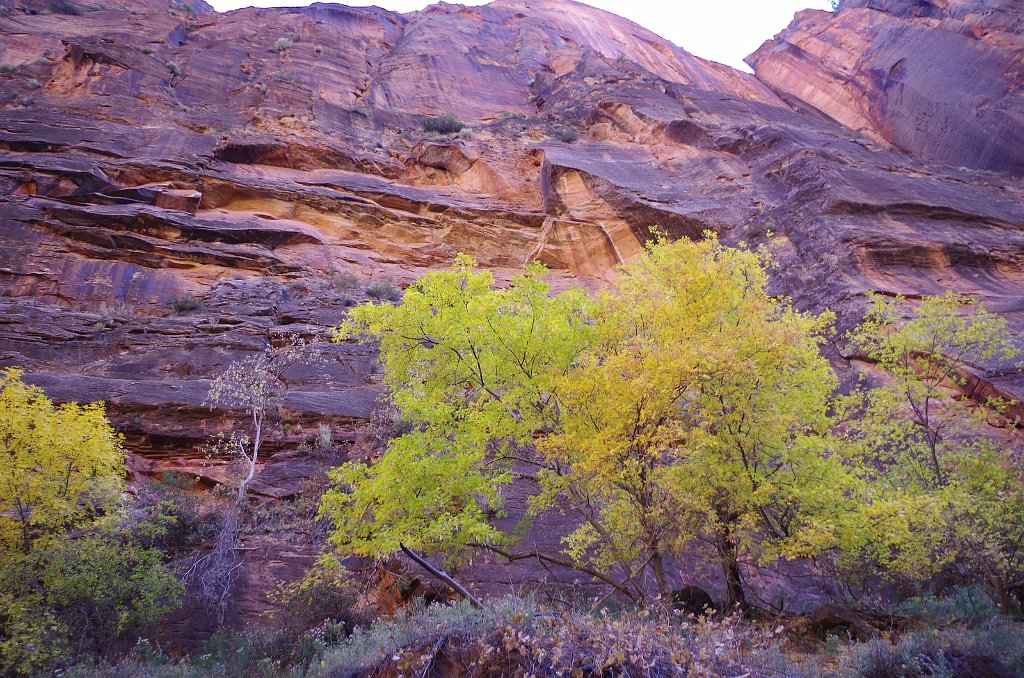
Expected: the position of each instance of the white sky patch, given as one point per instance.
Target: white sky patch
(720, 30)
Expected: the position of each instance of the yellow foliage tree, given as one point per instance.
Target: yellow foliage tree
(686, 405)
(60, 465)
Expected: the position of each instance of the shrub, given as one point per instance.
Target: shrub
(324, 439)
(174, 68)
(186, 303)
(33, 84)
(344, 281)
(146, 49)
(78, 598)
(383, 290)
(443, 124)
(318, 50)
(170, 515)
(915, 656)
(961, 605)
(64, 7)
(568, 135)
(282, 44)
(6, 68)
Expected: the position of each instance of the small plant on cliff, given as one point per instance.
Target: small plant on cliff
(33, 84)
(174, 68)
(6, 68)
(186, 303)
(344, 281)
(254, 384)
(64, 7)
(443, 124)
(383, 290)
(324, 438)
(283, 44)
(568, 135)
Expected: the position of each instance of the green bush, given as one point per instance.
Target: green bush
(33, 84)
(6, 68)
(174, 68)
(962, 604)
(383, 290)
(186, 303)
(568, 135)
(169, 514)
(443, 124)
(64, 7)
(282, 44)
(79, 598)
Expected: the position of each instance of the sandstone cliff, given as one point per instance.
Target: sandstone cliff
(271, 162)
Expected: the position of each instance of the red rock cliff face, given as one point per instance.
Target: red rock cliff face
(941, 79)
(252, 158)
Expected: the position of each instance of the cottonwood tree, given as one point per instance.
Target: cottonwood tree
(688, 404)
(254, 384)
(698, 418)
(471, 368)
(60, 465)
(922, 436)
(73, 578)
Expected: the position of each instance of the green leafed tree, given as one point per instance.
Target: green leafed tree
(471, 368)
(931, 436)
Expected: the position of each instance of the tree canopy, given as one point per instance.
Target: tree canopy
(60, 465)
(686, 404)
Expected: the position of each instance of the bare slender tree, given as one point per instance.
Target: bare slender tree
(256, 385)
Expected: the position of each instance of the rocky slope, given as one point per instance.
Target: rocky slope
(271, 163)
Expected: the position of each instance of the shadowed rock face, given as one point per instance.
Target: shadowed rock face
(253, 159)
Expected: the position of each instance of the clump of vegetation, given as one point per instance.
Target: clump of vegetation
(383, 290)
(324, 438)
(64, 7)
(344, 281)
(283, 44)
(318, 50)
(74, 579)
(187, 303)
(174, 68)
(33, 84)
(662, 429)
(146, 49)
(568, 135)
(6, 68)
(443, 124)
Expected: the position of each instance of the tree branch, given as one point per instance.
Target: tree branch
(443, 576)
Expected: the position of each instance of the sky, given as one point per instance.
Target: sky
(720, 30)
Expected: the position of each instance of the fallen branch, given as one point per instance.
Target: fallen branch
(443, 576)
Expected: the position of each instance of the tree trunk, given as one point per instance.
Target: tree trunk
(737, 599)
(658, 565)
